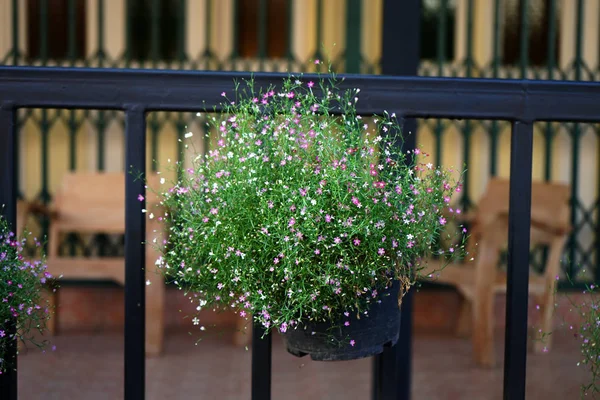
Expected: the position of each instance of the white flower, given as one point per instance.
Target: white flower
(409, 236)
(188, 135)
(162, 181)
(196, 321)
(148, 283)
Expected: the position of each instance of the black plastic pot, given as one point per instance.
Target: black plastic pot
(370, 333)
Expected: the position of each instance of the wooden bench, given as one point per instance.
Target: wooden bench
(92, 203)
(480, 280)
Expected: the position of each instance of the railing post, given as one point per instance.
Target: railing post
(400, 55)
(261, 363)
(517, 293)
(8, 198)
(135, 254)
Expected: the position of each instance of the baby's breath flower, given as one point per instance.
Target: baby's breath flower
(309, 212)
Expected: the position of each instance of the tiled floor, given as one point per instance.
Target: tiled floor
(91, 368)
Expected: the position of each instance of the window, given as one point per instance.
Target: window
(57, 35)
(538, 14)
(276, 28)
(141, 21)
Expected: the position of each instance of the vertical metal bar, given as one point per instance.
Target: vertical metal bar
(261, 364)
(154, 131)
(524, 37)
(575, 146)
(8, 198)
(517, 294)
(441, 36)
(155, 32)
(101, 121)
(101, 53)
(441, 56)
(44, 31)
(290, 32)
(469, 60)
(72, 123)
(401, 19)
(579, 41)
(135, 256)
(181, 36)
(128, 32)
(15, 32)
(385, 371)
(207, 28)
(72, 57)
(551, 64)
(72, 31)
(353, 31)
(465, 200)
(180, 147)
(494, 131)
(100, 139)
(551, 61)
(262, 32)
(235, 46)
(319, 33)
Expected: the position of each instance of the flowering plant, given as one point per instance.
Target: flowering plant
(21, 282)
(589, 334)
(304, 210)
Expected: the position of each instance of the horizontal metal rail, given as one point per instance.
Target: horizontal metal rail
(162, 90)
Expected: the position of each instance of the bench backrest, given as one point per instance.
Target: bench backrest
(92, 202)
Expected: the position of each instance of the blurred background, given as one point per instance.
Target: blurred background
(532, 39)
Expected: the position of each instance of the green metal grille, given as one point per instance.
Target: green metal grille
(523, 45)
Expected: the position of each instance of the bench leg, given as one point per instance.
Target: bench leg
(155, 305)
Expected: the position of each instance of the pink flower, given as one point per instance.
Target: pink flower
(140, 197)
(317, 62)
(352, 343)
(442, 221)
(310, 84)
(381, 251)
(356, 242)
(347, 323)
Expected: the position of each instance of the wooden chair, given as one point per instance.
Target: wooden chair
(95, 203)
(480, 280)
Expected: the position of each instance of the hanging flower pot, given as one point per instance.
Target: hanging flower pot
(352, 336)
(301, 211)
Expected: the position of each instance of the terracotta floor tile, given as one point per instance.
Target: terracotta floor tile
(91, 368)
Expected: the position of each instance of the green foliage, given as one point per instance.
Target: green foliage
(21, 303)
(304, 210)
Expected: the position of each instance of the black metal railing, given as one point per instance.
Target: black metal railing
(137, 92)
